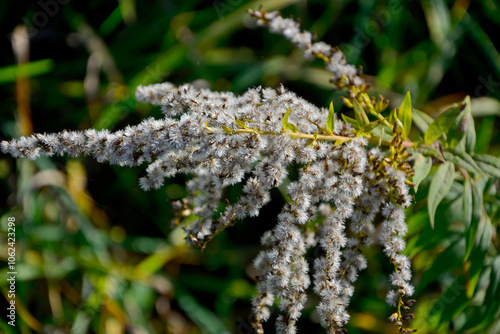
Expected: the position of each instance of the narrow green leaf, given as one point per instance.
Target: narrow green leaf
(422, 168)
(470, 136)
(287, 126)
(429, 151)
(462, 159)
(293, 128)
(404, 114)
(393, 116)
(227, 130)
(284, 121)
(492, 297)
(421, 120)
(485, 134)
(488, 164)
(477, 257)
(467, 205)
(351, 121)
(208, 127)
(155, 261)
(207, 321)
(240, 123)
(322, 129)
(81, 322)
(330, 121)
(395, 121)
(370, 126)
(440, 185)
(87, 312)
(446, 121)
(476, 215)
(458, 130)
(28, 70)
(360, 114)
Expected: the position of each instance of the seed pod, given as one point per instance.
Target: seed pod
(392, 318)
(408, 317)
(410, 302)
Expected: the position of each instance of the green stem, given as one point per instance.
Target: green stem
(380, 117)
(334, 138)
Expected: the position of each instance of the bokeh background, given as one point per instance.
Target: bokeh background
(95, 254)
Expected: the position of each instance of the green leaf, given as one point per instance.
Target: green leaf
(87, 312)
(429, 151)
(227, 130)
(395, 121)
(370, 126)
(477, 257)
(446, 121)
(330, 121)
(468, 142)
(240, 123)
(422, 168)
(404, 114)
(393, 116)
(351, 121)
(284, 121)
(470, 136)
(440, 185)
(484, 134)
(457, 132)
(467, 204)
(293, 128)
(462, 159)
(322, 129)
(287, 126)
(210, 129)
(492, 297)
(81, 322)
(488, 164)
(27, 70)
(421, 120)
(360, 114)
(475, 216)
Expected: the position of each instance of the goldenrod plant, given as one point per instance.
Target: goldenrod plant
(356, 178)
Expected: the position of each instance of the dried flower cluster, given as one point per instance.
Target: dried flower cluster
(344, 74)
(343, 190)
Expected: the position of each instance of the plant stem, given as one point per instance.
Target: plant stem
(371, 140)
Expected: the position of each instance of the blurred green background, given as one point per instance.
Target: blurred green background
(95, 254)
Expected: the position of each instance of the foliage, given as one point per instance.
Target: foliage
(101, 276)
